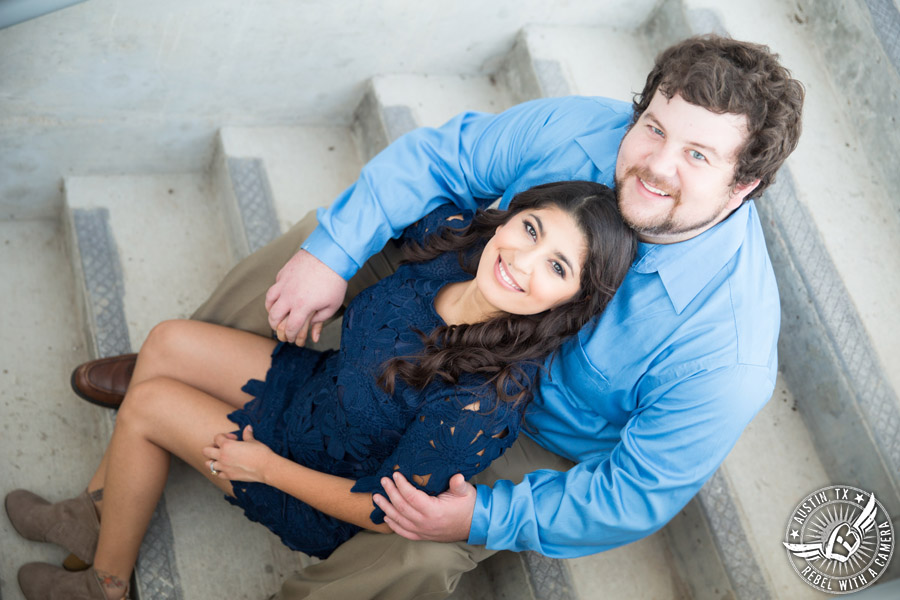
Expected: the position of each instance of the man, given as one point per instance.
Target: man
(631, 418)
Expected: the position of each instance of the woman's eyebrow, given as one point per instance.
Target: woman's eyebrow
(559, 255)
(563, 258)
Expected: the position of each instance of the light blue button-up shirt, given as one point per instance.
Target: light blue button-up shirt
(649, 399)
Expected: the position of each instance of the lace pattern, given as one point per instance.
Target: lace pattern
(326, 411)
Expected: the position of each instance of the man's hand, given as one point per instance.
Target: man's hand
(306, 293)
(417, 516)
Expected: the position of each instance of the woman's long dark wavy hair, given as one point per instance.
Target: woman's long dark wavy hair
(495, 347)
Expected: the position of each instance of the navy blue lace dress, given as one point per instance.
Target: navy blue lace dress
(325, 410)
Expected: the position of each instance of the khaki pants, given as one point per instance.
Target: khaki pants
(369, 565)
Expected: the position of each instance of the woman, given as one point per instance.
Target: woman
(432, 378)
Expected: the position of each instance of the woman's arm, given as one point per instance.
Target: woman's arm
(250, 460)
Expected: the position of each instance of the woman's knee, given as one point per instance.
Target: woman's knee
(162, 345)
(145, 401)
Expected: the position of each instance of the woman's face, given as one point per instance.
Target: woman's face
(533, 262)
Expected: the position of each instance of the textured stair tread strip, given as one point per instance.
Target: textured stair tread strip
(549, 577)
(102, 280)
(255, 202)
(838, 336)
(156, 570)
(746, 576)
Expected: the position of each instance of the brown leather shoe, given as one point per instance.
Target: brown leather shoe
(104, 381)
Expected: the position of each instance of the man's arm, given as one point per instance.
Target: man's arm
(668, 449)
(473, 156)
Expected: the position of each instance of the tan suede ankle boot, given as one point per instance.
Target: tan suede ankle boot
(72, 523)
(40, 581)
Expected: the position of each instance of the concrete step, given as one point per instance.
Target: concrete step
(126, 232)
(305, 166)
(589, 61)
(396, 104)
(49, 440)
(434, 100)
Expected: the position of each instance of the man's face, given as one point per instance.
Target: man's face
(675, 169)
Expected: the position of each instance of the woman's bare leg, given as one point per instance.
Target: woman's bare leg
(160, 417)
(210, 358)
(214, 359)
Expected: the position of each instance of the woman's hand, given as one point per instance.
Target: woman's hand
(239, 460)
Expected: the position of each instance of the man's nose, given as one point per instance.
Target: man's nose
(662, 162)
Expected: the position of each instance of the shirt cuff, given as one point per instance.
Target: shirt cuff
(481, 516)
(320, 245)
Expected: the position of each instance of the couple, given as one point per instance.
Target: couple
(628, 418)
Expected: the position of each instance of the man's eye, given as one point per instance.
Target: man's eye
(529, 228)
(697, 156)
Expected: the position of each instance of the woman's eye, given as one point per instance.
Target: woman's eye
(558, 268)
(656, 130)
(697, 156)
(530, 230)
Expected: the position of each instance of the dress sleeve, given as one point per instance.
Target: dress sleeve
(448, 435)
(447, 215)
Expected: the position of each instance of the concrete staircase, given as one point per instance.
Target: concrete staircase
(834, 417)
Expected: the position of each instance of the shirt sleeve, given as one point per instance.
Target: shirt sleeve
(444, 439)
(473, 157)
(669, 447)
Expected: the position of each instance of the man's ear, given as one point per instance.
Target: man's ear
(741, 191)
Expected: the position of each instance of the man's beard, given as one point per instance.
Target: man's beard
(665, 225)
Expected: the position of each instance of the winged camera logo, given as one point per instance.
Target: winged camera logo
(839, 539)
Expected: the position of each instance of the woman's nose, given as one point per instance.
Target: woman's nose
(523, 261)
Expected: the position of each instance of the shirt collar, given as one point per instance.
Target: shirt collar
(602, 148)
(686, 267)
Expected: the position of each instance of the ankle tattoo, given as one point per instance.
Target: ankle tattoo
(96, 495)
(110, 581)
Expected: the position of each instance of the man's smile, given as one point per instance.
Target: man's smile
(652, 189)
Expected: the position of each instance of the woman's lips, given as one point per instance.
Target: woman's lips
(504, 276)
